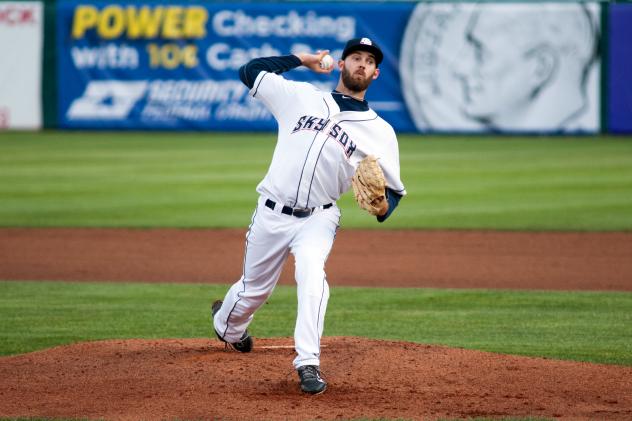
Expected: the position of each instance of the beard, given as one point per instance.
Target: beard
(355, 85)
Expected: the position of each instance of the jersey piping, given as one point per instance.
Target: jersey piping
(354, 121)
(309, 190)
(260, 80)
(298, 187)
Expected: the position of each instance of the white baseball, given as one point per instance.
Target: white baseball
(326, 62)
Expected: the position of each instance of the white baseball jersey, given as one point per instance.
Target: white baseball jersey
(317, 151)
(319, 147)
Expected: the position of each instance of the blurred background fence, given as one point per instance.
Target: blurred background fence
(449, 67)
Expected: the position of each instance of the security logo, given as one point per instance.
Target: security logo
(107, 100)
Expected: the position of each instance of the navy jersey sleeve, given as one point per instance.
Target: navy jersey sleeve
(393, 200)
(248, 72)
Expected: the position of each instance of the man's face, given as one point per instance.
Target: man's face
(358, 70)
(497, 72)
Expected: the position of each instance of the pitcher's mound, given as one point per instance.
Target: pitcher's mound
(197, 379)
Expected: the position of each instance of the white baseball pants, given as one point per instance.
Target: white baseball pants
(272, 235)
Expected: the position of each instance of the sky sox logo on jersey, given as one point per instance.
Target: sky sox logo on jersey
(318, 124)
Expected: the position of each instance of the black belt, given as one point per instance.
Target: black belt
(298, 212)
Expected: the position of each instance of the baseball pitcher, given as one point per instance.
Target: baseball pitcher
(328, 143)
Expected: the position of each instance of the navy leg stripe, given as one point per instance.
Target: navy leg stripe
(322, 295)
(243, 272)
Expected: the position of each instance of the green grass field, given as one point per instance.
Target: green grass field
(209, 179)
(125, 179)
(583, 326)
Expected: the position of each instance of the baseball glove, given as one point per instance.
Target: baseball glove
(369, 185)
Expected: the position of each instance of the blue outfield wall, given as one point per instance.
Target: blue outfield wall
(448, 67)
(619, 82)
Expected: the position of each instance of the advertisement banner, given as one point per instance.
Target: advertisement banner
(175, 66)
(619, 97)
(448, 67)
(484, 67)
(21, 25)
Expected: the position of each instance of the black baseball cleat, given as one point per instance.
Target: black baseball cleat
(311, 382)
(244, 344)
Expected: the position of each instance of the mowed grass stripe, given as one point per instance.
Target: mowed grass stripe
(209, 179)
(131, 180)
(584, 326)
(547, 183)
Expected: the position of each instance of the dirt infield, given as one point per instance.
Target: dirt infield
(442, 259)
(197, 379)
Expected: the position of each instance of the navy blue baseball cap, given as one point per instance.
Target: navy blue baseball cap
(363, 44)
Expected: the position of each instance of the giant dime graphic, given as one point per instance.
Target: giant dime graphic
(502, 67)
